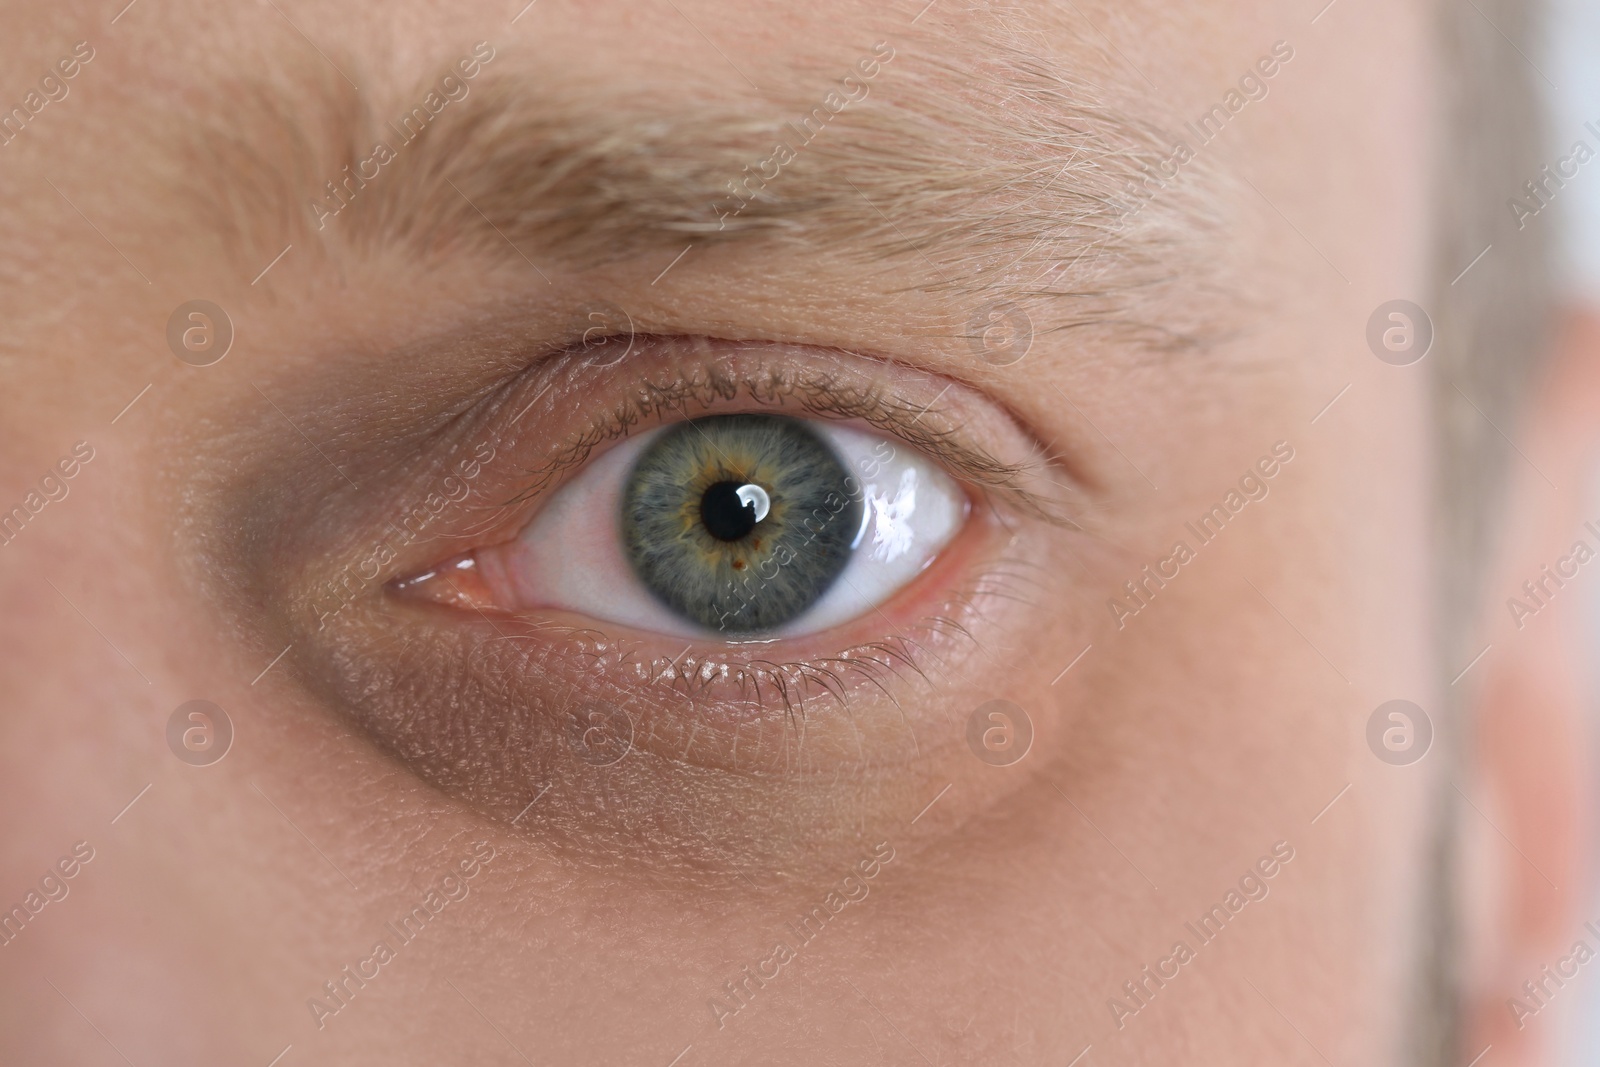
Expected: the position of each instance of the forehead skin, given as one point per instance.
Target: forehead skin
(1176, 753)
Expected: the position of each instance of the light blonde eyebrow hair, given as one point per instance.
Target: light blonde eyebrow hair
(990, 174)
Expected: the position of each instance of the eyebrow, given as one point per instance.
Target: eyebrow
(999, 170)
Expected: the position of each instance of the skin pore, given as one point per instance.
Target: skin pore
(591, 174)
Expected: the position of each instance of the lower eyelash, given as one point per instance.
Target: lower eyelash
(799, 685)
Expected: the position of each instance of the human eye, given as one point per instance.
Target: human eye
(748, 526)
(746, 560)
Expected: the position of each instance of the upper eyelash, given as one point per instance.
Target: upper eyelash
(816, 394)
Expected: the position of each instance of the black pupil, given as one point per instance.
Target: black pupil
(726, 517)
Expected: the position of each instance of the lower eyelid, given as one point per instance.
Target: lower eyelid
(670, 685)
(754, 761)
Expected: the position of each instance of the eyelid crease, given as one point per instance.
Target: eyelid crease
(815, 393)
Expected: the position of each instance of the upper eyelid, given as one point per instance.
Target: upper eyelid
(816, 393)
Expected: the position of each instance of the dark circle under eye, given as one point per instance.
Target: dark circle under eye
(739, 522)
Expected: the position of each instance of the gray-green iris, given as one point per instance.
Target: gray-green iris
(739, 522)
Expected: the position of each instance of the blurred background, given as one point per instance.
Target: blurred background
(1570, 43)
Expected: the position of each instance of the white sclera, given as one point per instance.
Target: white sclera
(910, 511)
(571, 556)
